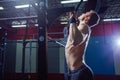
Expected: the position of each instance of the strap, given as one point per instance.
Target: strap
(76, 9)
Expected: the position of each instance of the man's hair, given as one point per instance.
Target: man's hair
(94, 19)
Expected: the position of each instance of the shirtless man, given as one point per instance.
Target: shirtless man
(76, 45)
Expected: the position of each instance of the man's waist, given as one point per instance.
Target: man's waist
(74, 67)
(78, 69)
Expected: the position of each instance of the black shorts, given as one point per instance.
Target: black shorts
(82, 73)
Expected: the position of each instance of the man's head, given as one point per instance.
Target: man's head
(91, 18)
(94, 19)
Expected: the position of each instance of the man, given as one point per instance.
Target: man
(76, 45)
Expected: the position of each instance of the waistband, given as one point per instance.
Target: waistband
(78, 69)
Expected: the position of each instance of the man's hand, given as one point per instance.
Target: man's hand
(81, 17)
(72, 20)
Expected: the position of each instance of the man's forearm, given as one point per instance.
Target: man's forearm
(75, 35)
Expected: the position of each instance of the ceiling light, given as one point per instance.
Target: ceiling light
(36, 4)
(71, 1)
(63, 22)
(36, 24)
(22, 6)
(115, 19)
(19, 26)
(22, 25)
(1, 8)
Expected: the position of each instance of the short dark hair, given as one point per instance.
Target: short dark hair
(94, 19)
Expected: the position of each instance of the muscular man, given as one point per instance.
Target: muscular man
(76, 45)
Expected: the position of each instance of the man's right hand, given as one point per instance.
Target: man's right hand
(72, 20)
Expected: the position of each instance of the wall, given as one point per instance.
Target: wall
(99, 56)
(14, 54)
(62, 59)
(30, 57)
(53, 58)
(10, 57)
(102, 54)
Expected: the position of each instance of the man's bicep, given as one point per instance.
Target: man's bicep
(75, 35)
(72, 30)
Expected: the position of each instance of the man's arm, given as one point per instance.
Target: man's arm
(75, 36)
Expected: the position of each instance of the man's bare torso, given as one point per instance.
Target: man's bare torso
(75, 49)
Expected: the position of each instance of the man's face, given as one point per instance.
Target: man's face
(87, 17)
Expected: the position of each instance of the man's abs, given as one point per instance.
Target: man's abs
(74, 57)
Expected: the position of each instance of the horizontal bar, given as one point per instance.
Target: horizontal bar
(56, 33)
(13, 41)
(16, 18)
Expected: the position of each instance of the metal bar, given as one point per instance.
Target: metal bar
(18, 18)
(6, 1)
(31, 47)
(13, 41)
(30, 56)
(18, 1)
(60, 42)
(56, 33)
(3, 52)
(42, 42)
(24, 48)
